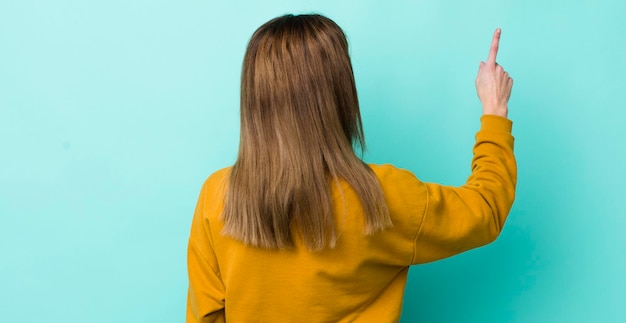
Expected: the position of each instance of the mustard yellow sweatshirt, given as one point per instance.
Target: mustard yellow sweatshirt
(363, 278)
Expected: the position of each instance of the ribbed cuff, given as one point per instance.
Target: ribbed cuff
(494, 123)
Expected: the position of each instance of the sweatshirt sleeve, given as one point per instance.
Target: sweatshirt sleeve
(458, 219)
(205, 299)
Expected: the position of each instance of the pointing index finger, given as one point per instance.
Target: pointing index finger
(493, 52)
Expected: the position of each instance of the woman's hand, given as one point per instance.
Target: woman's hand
(493, 84)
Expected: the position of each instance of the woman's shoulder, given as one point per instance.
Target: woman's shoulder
(390, 172)
(216, 182)
(398, 181)
(219, 174)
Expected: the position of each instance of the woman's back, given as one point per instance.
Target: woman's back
(362, 279)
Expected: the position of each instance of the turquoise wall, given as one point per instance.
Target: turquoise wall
(112, 113)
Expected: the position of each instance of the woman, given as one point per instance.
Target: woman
(300, 229)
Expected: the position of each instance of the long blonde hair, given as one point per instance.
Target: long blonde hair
(299, 120)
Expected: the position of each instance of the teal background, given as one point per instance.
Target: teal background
(112, 114)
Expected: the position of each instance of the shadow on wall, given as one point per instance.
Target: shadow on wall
(530, 264)
(477, 286)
